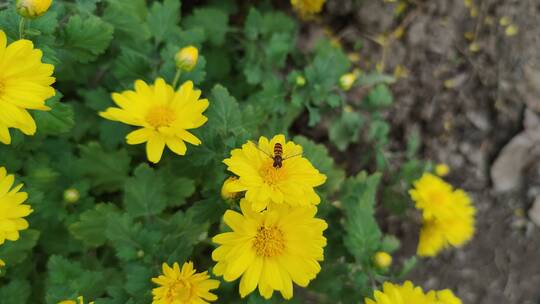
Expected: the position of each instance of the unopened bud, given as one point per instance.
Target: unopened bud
(442, 170)
(186, 58)
(347, 81)
(300, 81)
(229, 189)
(382, 259)
(33, 8)
(72, 195)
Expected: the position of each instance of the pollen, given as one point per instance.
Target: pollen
(181, 290)
(269, 241)
(270, 174)
(160, 116)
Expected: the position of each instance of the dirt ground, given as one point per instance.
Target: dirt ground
(467, 104)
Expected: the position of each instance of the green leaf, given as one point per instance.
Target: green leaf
(128, 18)
(408, 265)
(107, 170)
(163, 19)
(346, 130)
(363, 235)
(14, 253)
(379, 97)
(212, 21)
(390, 243)
(15, 292)
(144, 193)
(60, 119)
(68, 280)
(224, 114)
(85, 39)
(92, 225)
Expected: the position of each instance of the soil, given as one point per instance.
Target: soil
(467, 106)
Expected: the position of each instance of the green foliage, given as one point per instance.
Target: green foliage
(133, 216)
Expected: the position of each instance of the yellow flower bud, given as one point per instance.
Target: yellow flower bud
(382, 259)
(229, 189)
(442, 170)
(300, 81)
(186, 58)
(33, 8)
(2, 263)
(347, 81)
(72, 195)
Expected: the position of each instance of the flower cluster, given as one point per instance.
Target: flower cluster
(448, 215)
(408, 293)
(307, 9)
(276, 239)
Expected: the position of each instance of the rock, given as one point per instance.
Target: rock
(507, 170)
(534, 212)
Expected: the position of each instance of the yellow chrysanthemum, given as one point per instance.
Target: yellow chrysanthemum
(183, 286)
(80, 300)
(12, 209)
(228, 189)
(454, 228)
(307, 8)
(432, 195)
(164, 115)
(33, 8)
(408, 293)
(448, 215)
(270, 249)
(264, 182)
(25, 84)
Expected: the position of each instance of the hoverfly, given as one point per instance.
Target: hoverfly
(278, 155)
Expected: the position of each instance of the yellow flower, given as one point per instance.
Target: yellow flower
(448, 215)
(183, 286)
(307, 8)
(382, 259)
(25, 84)
(432, 195)
(450, 229)
(270, 249)
(2, 263)
(33, 8)
(186, 58)
(227, 190)
(408, 293)
(12, 209)
(80, 300)
(442, 170)
(347, 81)
(265, 181)
(163, 115)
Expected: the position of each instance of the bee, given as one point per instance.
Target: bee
(278, 155)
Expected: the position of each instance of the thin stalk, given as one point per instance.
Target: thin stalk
(176, 78)
(21, 27)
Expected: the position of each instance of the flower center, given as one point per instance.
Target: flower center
(179, 290)
(160, 116)
(269, 241)
(270, 174)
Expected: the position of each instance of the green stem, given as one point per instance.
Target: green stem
(21, 28)
(176, 78)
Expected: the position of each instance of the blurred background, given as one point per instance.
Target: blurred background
(469, 82)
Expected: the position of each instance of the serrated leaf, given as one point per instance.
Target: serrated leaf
(14, 253)
(163, 18)
(92, 225)
(345, 130)
(107, 170)
(362, 232)
(128, 18)
(15, 292)
(85, 39)
(223, 113)
(60, 119)
(144, 193)
(379, 97)
(212, 21)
